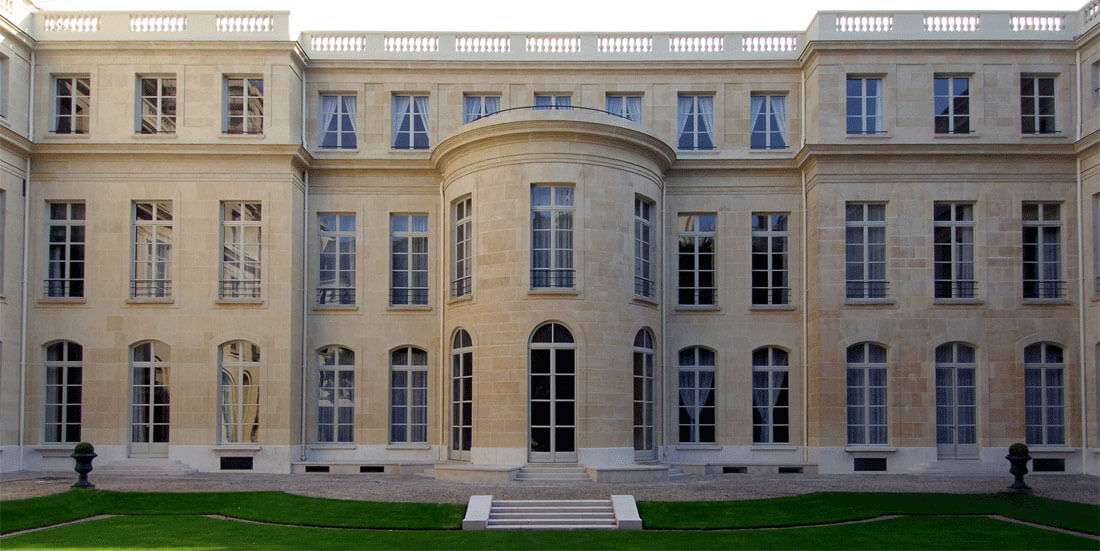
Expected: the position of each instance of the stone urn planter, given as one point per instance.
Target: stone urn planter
(1018, 456)
(83, 454)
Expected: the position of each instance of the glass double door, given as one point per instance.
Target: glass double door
(956, 412)
(553, 405)
(149, 410)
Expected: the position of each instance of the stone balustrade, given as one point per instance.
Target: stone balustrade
(161, 25)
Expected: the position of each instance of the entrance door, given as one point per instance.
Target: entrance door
(644, 450)
(956, 407)
(149, 400)
(462, 400)
(552, 411)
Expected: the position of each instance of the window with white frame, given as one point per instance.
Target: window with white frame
(553, 101)
(951, 104)
(643, 247)
(239, 393)
(956, 401)
(476, 107)
(1042, 250)
(408, 395)
(1044, 394)
(65, 250)
(953, 244)
(551, 236)
(336, 258)
(408, 259)
(335, 394)
(244, 105)
(770, 269)
(5, 84)
(156, 105)
(771, 417)
(409, 122)
(151, 273)
(3, 235)
(462, 393)
(769, 122)
(338, 122)
(695, 121)
(1096, 83)
(1037, 105)
(150, 394)
(1096, 242)
(644, 395)
(64, 391)
(865, 105)
(71, 105)
(241, 247)
(627, 106)
(865, 250)
(461, 270)
(866, 375)
(695, 259)
(695, 376)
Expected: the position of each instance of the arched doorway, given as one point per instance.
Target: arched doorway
(552, 394)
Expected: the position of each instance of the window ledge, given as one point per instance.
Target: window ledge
(772, 307)
(328, 150)
(868, 136)
(773, 448)
(228, 136)
(150, 300)
(229, 449)
(239, 301)
(1054, 450)
(469, 297)
(698, 447)
(335, 307)
(156, 135)
(332, 446)
(69, 136)
(61, 300)
(412, 308)
(647, 301)
(688, 153)
(55, 450)
(777, 151)
(970, 136)
(554, 292)
(1047, 301)
(958, 301)
(426, 152)
(704, 308)
(415, 446)
(869, 301)
(869, 449)
(1037, 136)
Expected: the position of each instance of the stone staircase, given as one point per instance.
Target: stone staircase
(552, 472)
(527, 514)
(142, 467)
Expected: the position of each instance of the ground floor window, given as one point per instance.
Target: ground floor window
(408, 395)
(771, 401)
(335, 394)
(239, 392)
(696, 384)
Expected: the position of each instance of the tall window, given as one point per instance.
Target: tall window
(770, 282)
(463, 241)
(696, 396)
(408, 259)
(1096, 243)
(695, 121)
(769, 122)
(865, 105)
(626, 106)
(5, 84)
(151, 275)
(1044, 394)
(65, 248)
(695, 270)
(1042, 250)
(244, 107)
(643, 247)
(865, 250)
(240, 258)
(951, 104)
(553, 101)
(476, 107)
(239, 392)
(408, 395)
(644, 402)
(336, 272)
(866, 394)
(956, 401)
(64, 391)
(409, 122)
(771, 417)
(552, 384)
(149, 394)
(157, 105)
(462, 393)
(551, 236)
(953, 259)
(1037, 105)
(338, 122)
(1096, 83)
(71, 105)
(335, 394)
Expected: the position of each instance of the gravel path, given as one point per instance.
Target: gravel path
(1084, 489)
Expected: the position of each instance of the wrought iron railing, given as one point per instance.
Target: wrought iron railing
(150, 288)
(460, 287)
(336, 295)
(963, 288)
(551, 108)
(545, 278)
(64, 288)
(404, 296)
(231, 289)
(866, 289)
(1040, 289)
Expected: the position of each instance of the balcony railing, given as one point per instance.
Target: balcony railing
(966, 289)
(150, 288)
(460, 287)
(870, 289)
(64, 288)
(545, 278)
(239, 289)
(643, 287)
(404, 296)
(1045, 289)
(328, 296)
(550, 108)
(161, 25)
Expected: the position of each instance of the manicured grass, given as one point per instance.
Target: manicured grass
(199, 532)
(838, 506)
(263, 506)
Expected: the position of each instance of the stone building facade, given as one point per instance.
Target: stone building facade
(870, 245)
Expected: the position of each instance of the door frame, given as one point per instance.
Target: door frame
(552, 456)
(149, 448)
(454, 449)
(954, 450)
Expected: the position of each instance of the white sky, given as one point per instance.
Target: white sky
(557, 15)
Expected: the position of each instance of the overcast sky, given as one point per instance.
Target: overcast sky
(557, 15)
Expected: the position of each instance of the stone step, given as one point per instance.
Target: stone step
(552, 509)
(554, 521)
(551, 514)
(594, 526)
(551, 502)
(551, 476)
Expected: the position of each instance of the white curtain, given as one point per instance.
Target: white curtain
(634, 108)
(879, 115)
(422, 109)
(615, 105)
(683, 111)
(473, 107)
(328, 114)
(400, 109)
(706, 109)
(757, 114)
(492, 104)
(349, 110)
(779, 109)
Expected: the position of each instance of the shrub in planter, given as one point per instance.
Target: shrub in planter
(83, 454)
(1018, 456)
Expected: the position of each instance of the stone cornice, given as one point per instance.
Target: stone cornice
(172, 149)
(1047, 150)
(15, 140)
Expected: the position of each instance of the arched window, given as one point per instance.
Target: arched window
(64, 390)
(150, 363)
(239, 392)
(408, 395)
(643, 393)
(956, 409)
(771, 423)
(866, 394)
(553, 394)
(462, 394)
(1044, 394)
(696, 384)
(335, 394)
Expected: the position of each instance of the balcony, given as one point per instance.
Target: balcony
(161, 25)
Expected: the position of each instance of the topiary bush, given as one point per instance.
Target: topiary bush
(83, 448)
(1018, 449)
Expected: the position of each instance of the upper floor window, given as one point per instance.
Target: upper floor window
(151, 275)
(866, 374)
(65, 250)
(551, 236)
(242, 223)
(409, 122)
(953, 255)
(695, 260)
(626, 106)
(156, 105)
(476, 107)
(336, 271)
(553, 101)
(951, 104)
(64, 385)
(463, 240)
(771, 401)
(769, 122)
(865, 250)
(1042, 254)
(338, 122)
(1037, 105)
(695, 121)
(244, 105)
(1096, 83)
(1044, 394)
(5, 84)
(643, 247)
(770, 272)
(71, 105)
(408, 259)
(865, 105)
